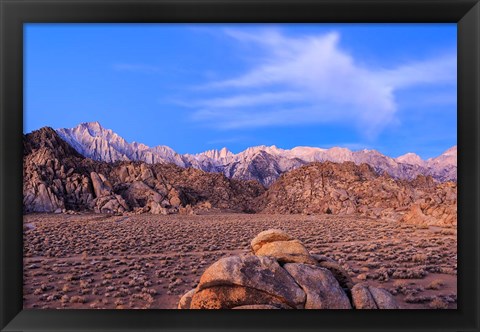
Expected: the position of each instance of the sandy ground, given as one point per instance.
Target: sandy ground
(149, 261)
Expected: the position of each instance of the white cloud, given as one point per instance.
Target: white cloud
(240, 118)
(322, 82)
(252, 99)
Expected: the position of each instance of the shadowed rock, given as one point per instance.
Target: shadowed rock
(100, 187)
(361, 297)
(227, 297)
(109, 204)
(322, 289)
(368, 297)
(186, 300)
(383, 298)
(339, 273)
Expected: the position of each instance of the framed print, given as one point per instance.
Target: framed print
(162, 159)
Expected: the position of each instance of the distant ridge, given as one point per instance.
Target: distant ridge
(262, 163)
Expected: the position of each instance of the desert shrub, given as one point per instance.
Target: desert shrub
(401, 283)
(417, 299)
(438, 303)
(422, 226)
(419, 258)
(411, 273)
(435, 284)
(448, 231)
(78, 299)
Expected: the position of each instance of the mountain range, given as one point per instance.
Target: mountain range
(57, 178)
(262, 163)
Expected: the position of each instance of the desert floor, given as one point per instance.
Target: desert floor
(150, 261)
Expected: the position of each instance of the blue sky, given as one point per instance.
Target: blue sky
(389, 87)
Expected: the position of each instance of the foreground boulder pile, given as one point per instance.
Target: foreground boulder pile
(280, 273)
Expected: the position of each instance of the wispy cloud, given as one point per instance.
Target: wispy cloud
(261, 98)
(241, 118)
(313, 80)
(137, 68)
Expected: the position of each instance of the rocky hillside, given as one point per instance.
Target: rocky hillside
(57, 178)
(262, 163)
(332, 188)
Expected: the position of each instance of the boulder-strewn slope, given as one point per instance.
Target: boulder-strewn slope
(281, 274)
(357, 189)
(57, 178)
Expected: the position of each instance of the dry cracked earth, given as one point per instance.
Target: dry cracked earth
(145, 261)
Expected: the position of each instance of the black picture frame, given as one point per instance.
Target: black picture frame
(14, 13)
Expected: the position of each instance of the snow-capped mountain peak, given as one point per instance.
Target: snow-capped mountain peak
(262, 163)
(216, 154)
(411, 159)
(448, 158)
(451, 152)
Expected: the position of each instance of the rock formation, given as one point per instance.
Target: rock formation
(254, 281)
(331, 188)
(45, 173)
(57, 178)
